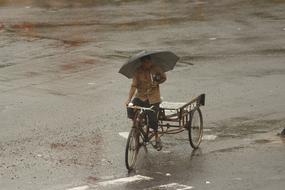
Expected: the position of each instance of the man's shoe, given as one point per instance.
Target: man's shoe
(158, 145)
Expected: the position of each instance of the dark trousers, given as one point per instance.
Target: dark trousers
(152, 116)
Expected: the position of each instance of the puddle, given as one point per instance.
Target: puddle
(240, 127)
(5, 65)
(32, 74)
(209, 137)
(231, 149)
(262, 141)
(56, 93)
(273, 51)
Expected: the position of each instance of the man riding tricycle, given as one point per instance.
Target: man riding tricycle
(151, 117)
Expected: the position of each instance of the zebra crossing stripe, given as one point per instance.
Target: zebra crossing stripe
(124, 134)
(84, 187)
(175, 186)
(124, 180)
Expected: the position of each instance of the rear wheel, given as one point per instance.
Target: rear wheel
(195, 128)
(132, 149)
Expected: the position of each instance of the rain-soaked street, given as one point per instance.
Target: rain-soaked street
(63, 123)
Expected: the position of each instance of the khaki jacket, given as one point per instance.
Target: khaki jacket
(147, 87)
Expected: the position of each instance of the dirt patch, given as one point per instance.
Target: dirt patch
(92, 179)
(77, 142)
(36, 30)
(89, 62)
(78, 66)
(73, 43)
(78, 150)
(69, 66)
(23, 26)
(131, 25)
(62, 145)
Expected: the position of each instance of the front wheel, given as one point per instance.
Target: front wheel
(132, 149)
(195, 127)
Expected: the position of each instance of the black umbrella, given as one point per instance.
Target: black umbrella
(166, 60)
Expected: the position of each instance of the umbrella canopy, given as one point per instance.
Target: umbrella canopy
(166, 60)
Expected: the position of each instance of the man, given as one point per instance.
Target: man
(146, 93)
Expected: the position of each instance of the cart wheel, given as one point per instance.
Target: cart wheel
(195, 128)
(132, 149)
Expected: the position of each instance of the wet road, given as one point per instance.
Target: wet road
(61, 105)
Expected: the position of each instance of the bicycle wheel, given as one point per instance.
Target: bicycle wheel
(132, 149)
(195, 128)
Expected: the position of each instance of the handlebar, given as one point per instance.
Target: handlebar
(141, 108)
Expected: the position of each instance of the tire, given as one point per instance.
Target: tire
(195, 128)
(132, 149)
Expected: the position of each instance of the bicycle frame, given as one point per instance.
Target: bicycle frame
(169, 124)
(137, 122)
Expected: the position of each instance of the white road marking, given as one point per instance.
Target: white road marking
(176, 186)
(120, 181)
(124, 134)
(209, 137)
(113, 182)
(124, 180)
(84, 187)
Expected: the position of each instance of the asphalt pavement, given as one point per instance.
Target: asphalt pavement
(62, 115)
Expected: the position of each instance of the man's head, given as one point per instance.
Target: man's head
(146, 62)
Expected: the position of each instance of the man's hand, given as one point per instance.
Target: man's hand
(154, 84)
(127, 102)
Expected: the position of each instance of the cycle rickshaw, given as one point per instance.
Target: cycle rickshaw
(173, 118)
